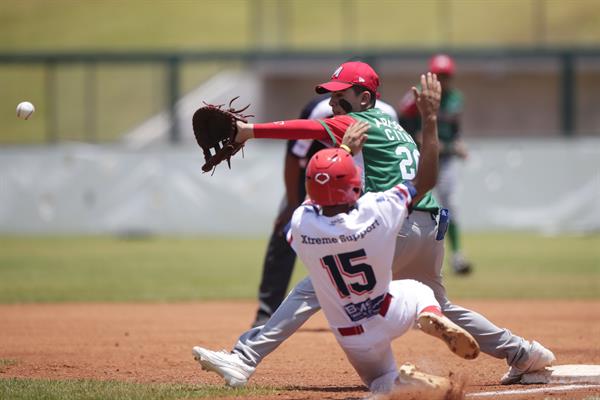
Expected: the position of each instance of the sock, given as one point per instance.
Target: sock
(454, 237)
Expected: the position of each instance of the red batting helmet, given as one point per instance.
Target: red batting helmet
(441, 64)
(332, 178)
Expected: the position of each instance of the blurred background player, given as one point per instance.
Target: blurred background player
(279, 260)
(451, 148)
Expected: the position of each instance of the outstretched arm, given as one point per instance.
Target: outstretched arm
(428, 102)
(329, 129)
(292, 129)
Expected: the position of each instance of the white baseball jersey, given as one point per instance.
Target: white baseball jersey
(349, 256)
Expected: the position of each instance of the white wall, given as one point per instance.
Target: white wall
(550, 185)
(545, 185)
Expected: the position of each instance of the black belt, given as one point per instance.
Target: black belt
(358, 329)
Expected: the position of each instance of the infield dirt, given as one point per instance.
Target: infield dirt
(153, 342)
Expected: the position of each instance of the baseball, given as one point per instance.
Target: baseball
(25, 109)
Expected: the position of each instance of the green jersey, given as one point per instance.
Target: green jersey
(389, 156)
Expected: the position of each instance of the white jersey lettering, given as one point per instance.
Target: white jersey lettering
(393, 130)
(311, 240)
(349, 256)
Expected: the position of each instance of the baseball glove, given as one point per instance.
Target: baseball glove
(215, 129)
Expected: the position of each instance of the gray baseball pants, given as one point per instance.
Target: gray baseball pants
(418, 256)
(445, 189)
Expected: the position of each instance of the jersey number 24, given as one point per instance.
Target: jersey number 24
(348, 265)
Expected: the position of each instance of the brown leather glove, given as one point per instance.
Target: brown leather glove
(215, 129)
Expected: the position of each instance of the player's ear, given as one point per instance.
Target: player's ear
(365, 99)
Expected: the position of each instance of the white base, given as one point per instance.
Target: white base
(574, 373)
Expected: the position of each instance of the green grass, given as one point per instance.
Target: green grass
(113, 269)
(520, 265)
(41, 389)
(47, 269)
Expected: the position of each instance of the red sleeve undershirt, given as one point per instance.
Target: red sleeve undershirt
(330, 129)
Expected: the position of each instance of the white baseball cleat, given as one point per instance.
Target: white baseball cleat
(458, 340)
(228, 365)
(538, 358)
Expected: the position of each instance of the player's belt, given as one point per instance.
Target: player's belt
(358, 329)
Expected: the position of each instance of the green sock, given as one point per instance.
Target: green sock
(454, 237)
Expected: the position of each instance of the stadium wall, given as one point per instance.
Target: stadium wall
(549, 185)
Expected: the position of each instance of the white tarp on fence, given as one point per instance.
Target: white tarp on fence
(544, 185)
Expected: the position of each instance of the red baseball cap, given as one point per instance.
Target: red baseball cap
(441, 64)
(353, 73)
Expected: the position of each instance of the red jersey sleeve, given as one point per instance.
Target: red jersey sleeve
(336, 127)
(329, 129)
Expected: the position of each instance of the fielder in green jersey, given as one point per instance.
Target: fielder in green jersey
(389, 150)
